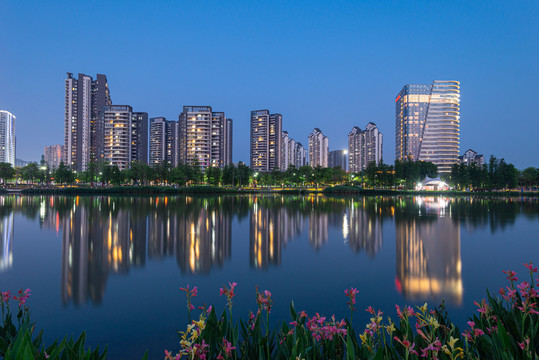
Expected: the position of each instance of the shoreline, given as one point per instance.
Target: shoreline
(215, 190)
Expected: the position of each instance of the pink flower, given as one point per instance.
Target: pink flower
(351, 293)
(229, 293)
(6, 295)
(189, 293)
(478, 332)
(524, 345)
(23, 296)
(370, 310)
(531, 268)
(264, 301)
(483, 307)
(511, 275)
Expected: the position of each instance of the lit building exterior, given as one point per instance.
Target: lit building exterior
(285, 151)
(318, 149)
(53, 155)
(427, 123)
(117, 135)
(7, 137)
(266, 137)
(364, 147)
(83, 126)
(164, 141)
(337, 158)
(292, 152)
(470, 157)
(205, 137)
(139, 137)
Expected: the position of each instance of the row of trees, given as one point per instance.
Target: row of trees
(497, 174)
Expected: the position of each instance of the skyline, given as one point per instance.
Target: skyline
(310, 62)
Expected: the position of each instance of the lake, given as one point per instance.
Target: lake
(112, 266)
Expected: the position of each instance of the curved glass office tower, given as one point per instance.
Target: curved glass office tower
(427, 123)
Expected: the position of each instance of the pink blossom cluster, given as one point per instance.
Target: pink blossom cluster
(264, 300)
(190, 293)
(227, 349)
(325, 330)
(229, 293)
(351, 294)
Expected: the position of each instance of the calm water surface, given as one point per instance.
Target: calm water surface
(112, 265)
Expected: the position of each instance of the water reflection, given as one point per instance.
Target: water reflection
(428, 252)
(103, 236)
(6, 242)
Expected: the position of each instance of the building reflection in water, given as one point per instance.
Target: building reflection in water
(107, 235)
(6, 242)
(272, 225)
(362, 226)
(428, 252)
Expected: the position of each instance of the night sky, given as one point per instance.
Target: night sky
(326, 64)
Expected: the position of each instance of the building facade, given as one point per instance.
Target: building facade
(53, 155)
(470, 157)
(337, 158)
(266, 137)
(318, 149)
(364, 147)
(205, 137)
(427, 123)
(139, 137)
(117, 148)
(83, 127)
(7, 137)
(164, 141)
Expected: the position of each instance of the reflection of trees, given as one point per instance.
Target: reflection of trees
(428, 251)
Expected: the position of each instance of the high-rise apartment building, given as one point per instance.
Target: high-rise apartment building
(285, 151)
(205, 137)
(427, 121)
(84, 101)
(292, 152)
(139, 137)
(364, 147)
(318, 149)
(53, 155)
(117, 148)
(266, 136)
(164, 141)
(337, 158)
(7, 137)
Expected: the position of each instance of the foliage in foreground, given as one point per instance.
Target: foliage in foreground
(503, 328)
(18, 340)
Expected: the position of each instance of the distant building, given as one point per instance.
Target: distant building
(337, 158)
(117, 149)
(53, 155)
(205, 137)
(164, 141)
(470, 157)
(292, 153)
(83, 137)
(7, 137)
(266, 136)
(139, 137)
(364, 147)
(318, 149)
(427, 121)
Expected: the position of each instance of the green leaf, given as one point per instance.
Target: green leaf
(350, 351)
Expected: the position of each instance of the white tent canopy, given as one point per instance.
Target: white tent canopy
(432, 184)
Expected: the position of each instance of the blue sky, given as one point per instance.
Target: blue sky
(326, 64)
